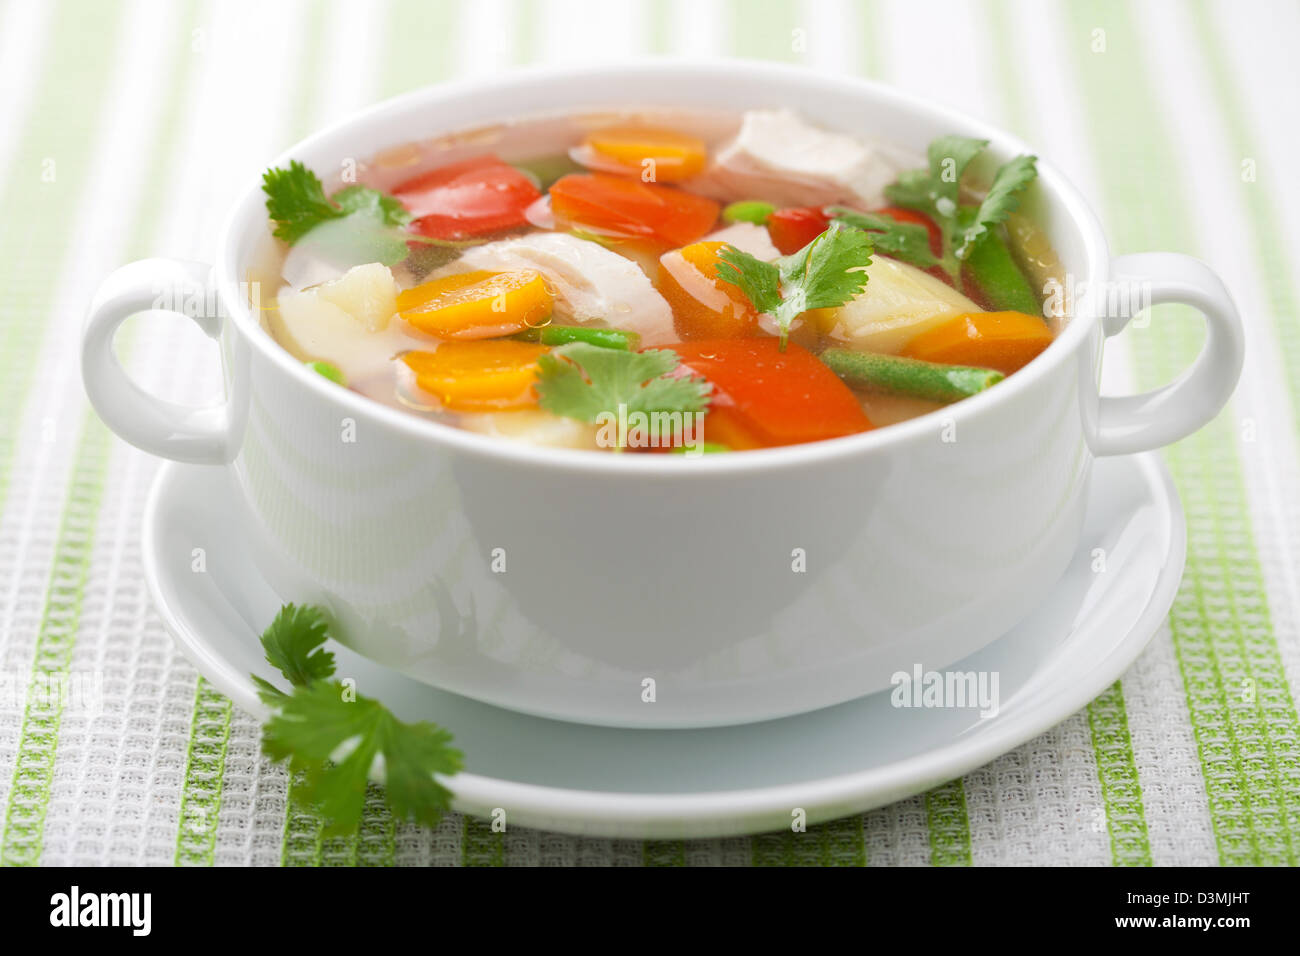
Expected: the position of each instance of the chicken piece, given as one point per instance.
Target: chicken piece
(591, 284)
(779, 158)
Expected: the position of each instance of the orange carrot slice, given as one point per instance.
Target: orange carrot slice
(704, 306)
(1005, 341)
(478, 376)
(663, 155)
(629, 208)
(477, 305)
(765, 396)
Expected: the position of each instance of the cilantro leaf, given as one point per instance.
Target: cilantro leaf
(907, 241)
(911, 190)
(371, 202)
(584, 381)
(340, 740)
(1002, 199)
(356, 238)
(758, 279)
(293, 644)
(948, 157)
(296, 201)
(357, 223)
(827, 272)
(936, 191)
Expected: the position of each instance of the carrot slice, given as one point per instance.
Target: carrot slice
(704, 306)
(630, 208)
(769, 397)
(724, 425)
(479, 376)
(1005, 341)
(477, 305)
(656, 155)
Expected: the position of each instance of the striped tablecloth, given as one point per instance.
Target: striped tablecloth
(127, 128)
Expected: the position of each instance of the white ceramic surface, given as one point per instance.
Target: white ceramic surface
(728, 780)
(922, 542)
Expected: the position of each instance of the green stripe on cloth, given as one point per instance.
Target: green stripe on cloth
(1112, 745)
(838, 843)
(1121, 790)
(419, 43)
(949, 826)
(416, 51)
(663, 853)
(205, 752)
(307, 74)
(765, 29)
(205, 765)
(871, 56)
(56, 640)
(196, 834)
(480, 846)
(946, 817)
(74, 79)
(305, 842)
(303, 829)
(29, 792)
(1238, 699)
(659, 28)
(1268, 243)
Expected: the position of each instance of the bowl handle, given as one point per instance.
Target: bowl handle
(1133, 423)
(179, 432)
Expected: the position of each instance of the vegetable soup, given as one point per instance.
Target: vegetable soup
(660, 282)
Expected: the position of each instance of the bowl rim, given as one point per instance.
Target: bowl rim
(665, 467)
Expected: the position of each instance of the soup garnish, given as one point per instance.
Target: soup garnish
(681, 284)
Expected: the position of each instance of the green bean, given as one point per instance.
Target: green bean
(564, 334)
(907, 377)
(748, 210)
(994, 271)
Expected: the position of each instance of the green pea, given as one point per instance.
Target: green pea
(749, 210)
(331, 372)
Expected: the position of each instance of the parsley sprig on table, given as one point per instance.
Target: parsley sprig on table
(936, 191)
(340, 740)
(584, 381)
(827, 272)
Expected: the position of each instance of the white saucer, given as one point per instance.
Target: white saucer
(610, 782)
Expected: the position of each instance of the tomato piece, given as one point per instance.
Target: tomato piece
(704, 306)
(769, 397)
(631, 208)
(470, 198)
(792, 229)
